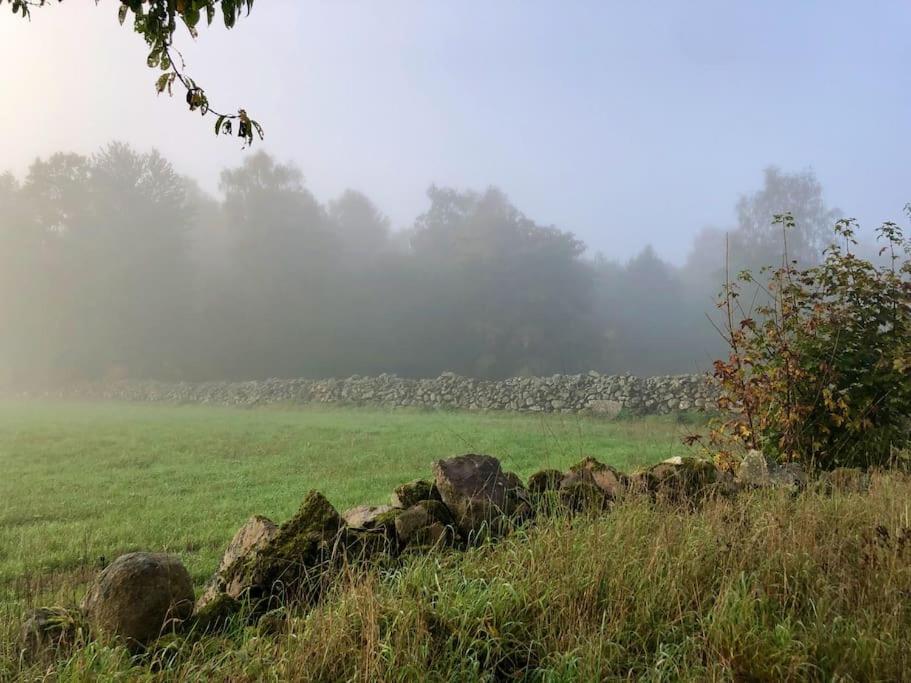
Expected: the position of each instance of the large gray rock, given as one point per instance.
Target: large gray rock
(254, 534)
(481, 497)
(753, 470)
(138, 597)
(757, 471)
(790, 476)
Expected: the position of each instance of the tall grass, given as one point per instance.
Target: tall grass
(766, 587)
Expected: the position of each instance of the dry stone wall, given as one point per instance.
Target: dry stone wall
(584, 393)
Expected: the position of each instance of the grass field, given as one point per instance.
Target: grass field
(766, 587)
(84, 481)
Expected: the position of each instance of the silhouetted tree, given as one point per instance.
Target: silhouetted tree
(756, 241)
(362, 228)
(281, 266)
(515, 294)
(102, 272)
(114, 264)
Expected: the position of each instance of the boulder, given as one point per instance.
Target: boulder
(427, 523)
(255, 533)
(138, 597)
(47, 630)
(584, 495)
(790, 475)
(480, 496)
(681, 479)
(543, 481)
(413, 492)
(370, 530)
(753, 470)
(757, 471)
(591, 471)
(289, 565)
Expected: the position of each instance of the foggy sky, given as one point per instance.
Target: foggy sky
(626, 123)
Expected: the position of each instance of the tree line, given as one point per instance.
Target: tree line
(115, 265)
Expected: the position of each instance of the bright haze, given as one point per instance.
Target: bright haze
(490, 188)
(625, 123)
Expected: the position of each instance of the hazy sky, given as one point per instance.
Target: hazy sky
(625, 122)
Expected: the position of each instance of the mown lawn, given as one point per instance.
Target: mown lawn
(85, 481)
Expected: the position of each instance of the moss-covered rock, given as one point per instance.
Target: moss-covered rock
(291, 565)
(387, 519)
(753, 470)
(581, 495)
(611, 482)
(47, 631)
(254, 534)
(365, 545)
(681, 480)
(138, 597)
(215, 614)
(425, 524)
(790, 476)
(545, 480)
(413, 492)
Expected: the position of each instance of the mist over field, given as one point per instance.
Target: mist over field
(436, 191)
(118, 266)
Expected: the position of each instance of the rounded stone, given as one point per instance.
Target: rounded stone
(138, 597)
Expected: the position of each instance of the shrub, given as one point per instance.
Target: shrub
(818, 370)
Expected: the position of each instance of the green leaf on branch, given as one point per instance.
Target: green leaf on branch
(156, 21)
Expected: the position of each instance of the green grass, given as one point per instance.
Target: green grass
(765, 587)
(84, 481)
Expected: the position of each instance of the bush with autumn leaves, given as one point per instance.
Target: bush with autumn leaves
(819, 369)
